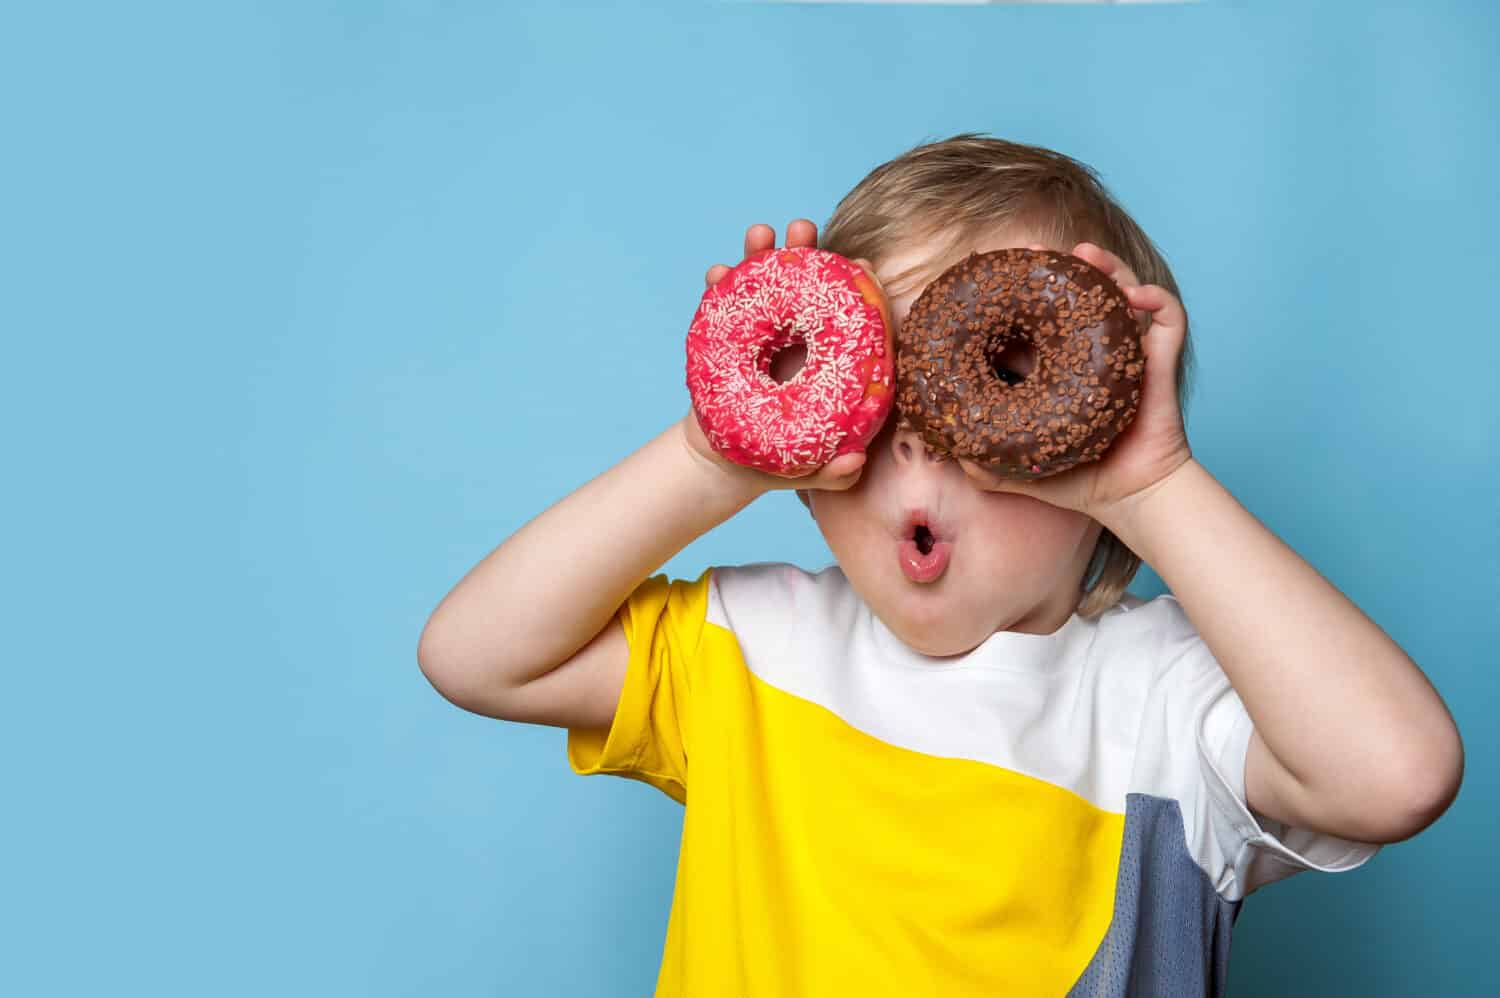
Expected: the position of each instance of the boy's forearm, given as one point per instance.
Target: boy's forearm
(1335, 699)
(552, 585)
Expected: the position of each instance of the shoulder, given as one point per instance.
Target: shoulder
(1160, 614)
(1157, 631)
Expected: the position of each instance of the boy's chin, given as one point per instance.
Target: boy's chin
(934, 638)
(940, 649)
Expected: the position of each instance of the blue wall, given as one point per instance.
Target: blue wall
(286, 290)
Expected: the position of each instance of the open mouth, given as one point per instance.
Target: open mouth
(923, 554)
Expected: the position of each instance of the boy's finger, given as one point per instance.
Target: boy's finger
(715, 272)
(801, 232)
(758, 237)
(1162, 345)
(1163, 306)
(980, 476)
(1097, 255)
(842, 472)
(845, 482)
(1107, 262)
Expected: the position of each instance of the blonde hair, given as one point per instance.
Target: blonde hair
(960, 189)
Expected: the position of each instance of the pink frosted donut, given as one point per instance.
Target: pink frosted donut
(776, 299)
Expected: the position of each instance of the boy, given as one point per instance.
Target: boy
(1015, 778)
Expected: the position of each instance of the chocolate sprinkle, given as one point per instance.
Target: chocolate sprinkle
(1085, 342)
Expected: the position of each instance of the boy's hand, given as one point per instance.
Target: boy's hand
(838, 474)
(1154, 444)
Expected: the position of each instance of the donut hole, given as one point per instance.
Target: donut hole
(784, 356)
(1012, 358)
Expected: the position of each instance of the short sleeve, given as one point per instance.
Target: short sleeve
(1201, 730)
(648, 738)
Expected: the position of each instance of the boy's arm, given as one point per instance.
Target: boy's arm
(543, 597)
(549, 588)
(1350, 737)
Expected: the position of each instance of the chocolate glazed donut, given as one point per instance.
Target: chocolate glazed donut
(1027, 362)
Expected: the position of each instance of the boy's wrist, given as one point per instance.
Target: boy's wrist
(734, 482)
(1135, 519)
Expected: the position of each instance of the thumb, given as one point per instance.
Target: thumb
(991, 482)
(1055, 490)
(838, 474)
(842, 472)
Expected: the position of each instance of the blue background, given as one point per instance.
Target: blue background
(308, 306)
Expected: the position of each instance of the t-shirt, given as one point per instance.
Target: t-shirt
(1048, 814)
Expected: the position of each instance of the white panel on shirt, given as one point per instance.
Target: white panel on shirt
(1132, 702)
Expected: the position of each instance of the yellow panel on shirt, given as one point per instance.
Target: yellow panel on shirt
(818, 859)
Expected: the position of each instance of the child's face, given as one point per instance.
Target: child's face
(1014, 563)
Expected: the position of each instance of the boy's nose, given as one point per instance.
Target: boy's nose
(910, 449)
